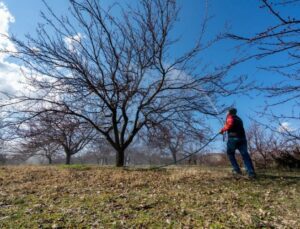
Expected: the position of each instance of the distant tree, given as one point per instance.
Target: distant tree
(2, 150)
(261, 145)
(100, 150)
(100, 157)
(119, 73)
(2, 153)
(170, 140)
(40, 146)
(47, 133)
(166, 141)
(287, 156)
(271, 146)
(3, 159)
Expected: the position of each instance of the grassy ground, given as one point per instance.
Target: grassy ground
(93, 197)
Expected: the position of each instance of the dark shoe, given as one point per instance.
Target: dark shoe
(252, 176)
(236, 172)
(237, 175)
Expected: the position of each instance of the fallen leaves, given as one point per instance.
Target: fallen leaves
(94, 197)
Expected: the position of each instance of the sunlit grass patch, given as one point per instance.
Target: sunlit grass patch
(59, 196)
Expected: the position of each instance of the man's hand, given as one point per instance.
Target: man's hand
(221, 132)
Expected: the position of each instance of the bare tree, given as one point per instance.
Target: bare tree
(287, 155)
(261, 145)
(283, 40)
(2, 153)
(40, 145)
(100, 151)
(271, 145)
(2, 150)
(281, 125)
(117, 72)
(172, 141)
(175, 143)
(46, 133)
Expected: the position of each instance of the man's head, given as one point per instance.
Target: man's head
(232, 111)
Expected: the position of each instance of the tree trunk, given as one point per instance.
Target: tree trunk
(68, 158)
(120, 158)
(174, 154)
(49, 160)
(265, 162)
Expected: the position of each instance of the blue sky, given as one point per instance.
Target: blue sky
(239, 16)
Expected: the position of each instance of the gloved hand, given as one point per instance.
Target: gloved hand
(221, 132)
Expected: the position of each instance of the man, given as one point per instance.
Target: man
(237, 140)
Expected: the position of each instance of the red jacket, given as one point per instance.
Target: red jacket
(228, 124)
(234, 126)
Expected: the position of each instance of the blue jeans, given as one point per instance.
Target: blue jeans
(241, 144)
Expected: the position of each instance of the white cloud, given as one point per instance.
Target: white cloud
(6, 19)
(285, 127)
(10, 73)
(10, 77)
(73, 41)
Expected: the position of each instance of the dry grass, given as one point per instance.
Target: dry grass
(80, 196)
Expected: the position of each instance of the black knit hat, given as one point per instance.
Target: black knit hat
(232, 111)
